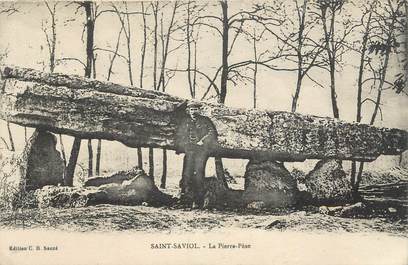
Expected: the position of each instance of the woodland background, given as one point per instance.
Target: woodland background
(338, 58)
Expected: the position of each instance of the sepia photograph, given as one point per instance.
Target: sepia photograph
(204, 132)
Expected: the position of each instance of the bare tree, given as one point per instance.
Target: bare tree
(334, 41)
(90, 17)
(364, 60)
(191, 11)
(142, 66)
(155, 10)
(256, 38)
(90, 63)
(51, 37)
(165, 38)
(382, 34)
(50, 33)
(113, 57)
(8, 8)
(304, 50)
(231, 28)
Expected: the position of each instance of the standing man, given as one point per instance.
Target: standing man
(198, 137)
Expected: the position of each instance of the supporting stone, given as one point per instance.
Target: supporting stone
(39, 164)
(45, 165)
(327, 183)
(269, 182)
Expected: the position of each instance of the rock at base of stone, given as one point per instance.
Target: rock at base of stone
(117, 177)
(38, 165)
(68, 197)
(269, 182)
(354, 210)
(135, 191)
(215, 192)
(327, 184)
(348, 211)
(257, 205)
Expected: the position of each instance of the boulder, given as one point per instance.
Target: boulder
(138, 190)
(347, 211)
(135, 191)
(257, 205)
(327, 183)
(355, 210)
(68, 197)
(45, 165)
(38, 165)
(269, 182)
(117, 177)
(214, 192)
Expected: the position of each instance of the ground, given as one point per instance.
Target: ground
(107, 234)
(166, 219)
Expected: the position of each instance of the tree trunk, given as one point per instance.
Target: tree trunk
(151, 162)
(98, 158)
(219, 170)
(139, 158)
(297, 92)
(12, 147)
(143, 55)
(255, 67)
(188, 41)
(333, 93)
(90, 26)
(25, 134)
(164, 175)
(69, 177)
(224, 77)
(155, 7)
(225, 47)
(64, 157)
(90, 158)
(356, 175)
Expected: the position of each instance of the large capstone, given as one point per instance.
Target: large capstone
(269, 182)
(88, 108)
(327, 183)
(38, 165)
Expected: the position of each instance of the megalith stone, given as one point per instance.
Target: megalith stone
(38, 165)
(135, 191)
(117, 177)
(214, 192)
(327, 183)
(269, 182)
(68, 197)
(45, 165)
